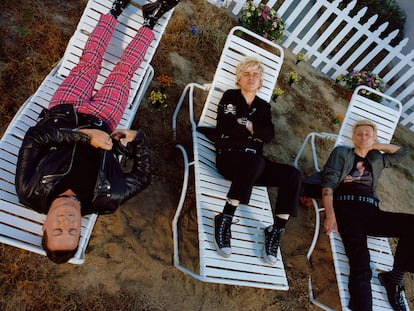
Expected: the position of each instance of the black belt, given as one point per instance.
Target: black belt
(357, 198)
(94, 122)
(248, 150)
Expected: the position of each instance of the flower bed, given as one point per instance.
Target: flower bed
(262, 20)
(356, 78)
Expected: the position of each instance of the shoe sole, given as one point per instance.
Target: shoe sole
(266, 258)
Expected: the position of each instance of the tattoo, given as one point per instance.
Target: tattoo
(327, 192)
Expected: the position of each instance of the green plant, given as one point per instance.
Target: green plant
(292, 77)
(262, 20)
(157, 98)
(300, 57)
(338, 119)
(356, 78)
(276, 93)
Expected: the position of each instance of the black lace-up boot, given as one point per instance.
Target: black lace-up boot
(222, 234)
(154, 11)
(118, 6)
(272, 242)
(394, 292)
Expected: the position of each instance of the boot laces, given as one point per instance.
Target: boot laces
(274, 241)
(224, 230)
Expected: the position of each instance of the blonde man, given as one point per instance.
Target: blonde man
(349, 180)
(244, 125)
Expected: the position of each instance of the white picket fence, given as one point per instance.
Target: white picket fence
(318, 29)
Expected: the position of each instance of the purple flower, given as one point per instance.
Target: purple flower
(194, 30)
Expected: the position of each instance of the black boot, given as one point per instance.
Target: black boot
(272, 242)
(222, 234)
(394, 291)
(152, 12)
(118, 6)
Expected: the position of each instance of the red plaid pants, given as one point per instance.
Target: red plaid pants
(110, 101)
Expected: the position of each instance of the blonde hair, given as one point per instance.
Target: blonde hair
(246, 63)
(362, 123)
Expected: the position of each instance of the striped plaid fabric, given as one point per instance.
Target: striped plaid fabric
(110, 101)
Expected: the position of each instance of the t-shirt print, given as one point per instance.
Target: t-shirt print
(360, 173)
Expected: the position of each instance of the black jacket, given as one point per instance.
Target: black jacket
(231, 134)
(46, 156)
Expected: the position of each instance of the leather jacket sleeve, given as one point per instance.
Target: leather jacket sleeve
(136, 164)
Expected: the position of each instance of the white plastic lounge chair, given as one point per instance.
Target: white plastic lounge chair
(245, 266)
(20, 226)
(386, 115)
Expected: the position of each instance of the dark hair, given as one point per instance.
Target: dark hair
(57, 256)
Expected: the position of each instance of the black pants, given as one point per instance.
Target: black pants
(355, 221)
(245, 170)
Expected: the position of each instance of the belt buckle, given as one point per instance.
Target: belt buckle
(98, 122)
(250, 150)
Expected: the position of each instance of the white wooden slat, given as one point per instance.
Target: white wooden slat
(236, 275)
(18, 209)
(19, 235)
(6, 166)
(21, 224)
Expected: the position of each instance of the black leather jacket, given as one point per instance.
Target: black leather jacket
(47, 154)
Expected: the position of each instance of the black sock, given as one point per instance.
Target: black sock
(280, 223)
(396, 276)
(229, 209)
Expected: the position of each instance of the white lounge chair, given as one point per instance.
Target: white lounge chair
(245, 266)
(20, 226)
(386, 115)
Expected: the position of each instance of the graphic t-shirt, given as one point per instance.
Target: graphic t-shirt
(359, 180)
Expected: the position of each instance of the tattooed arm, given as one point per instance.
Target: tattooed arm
(330, 219)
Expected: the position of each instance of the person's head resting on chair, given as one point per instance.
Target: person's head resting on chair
(249, 74)
(364, 134)
(62, 228)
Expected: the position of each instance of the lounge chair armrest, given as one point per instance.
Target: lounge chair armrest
(311, 138)
(188, 90)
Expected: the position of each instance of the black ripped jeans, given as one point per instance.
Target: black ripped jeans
(246, 170)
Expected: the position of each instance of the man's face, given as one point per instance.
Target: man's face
(250, 79)
(63, 225)
(364, 137)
